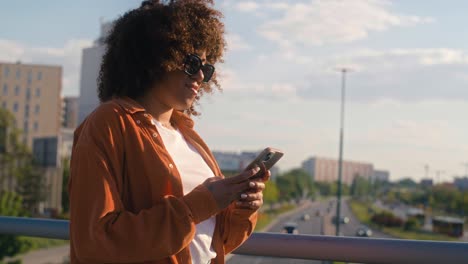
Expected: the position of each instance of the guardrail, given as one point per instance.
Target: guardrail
(349, 249)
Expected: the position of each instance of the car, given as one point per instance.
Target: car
(305, 217)
(290, 228)
(344, 220)
(363, 231)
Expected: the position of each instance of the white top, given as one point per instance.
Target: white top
(193, 171)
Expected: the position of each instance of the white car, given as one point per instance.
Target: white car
(363, 231)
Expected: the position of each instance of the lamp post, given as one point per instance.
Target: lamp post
(340, 160)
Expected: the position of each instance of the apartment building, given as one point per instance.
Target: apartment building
(326, 170)
(32, 94)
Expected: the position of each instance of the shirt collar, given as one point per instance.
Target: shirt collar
(131, 106)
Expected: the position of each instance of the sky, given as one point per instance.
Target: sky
(406, 91)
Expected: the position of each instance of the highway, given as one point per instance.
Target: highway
(321, 225)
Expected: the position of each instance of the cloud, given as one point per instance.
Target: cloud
(399, 74)
(247, 6)
(236, 43)
(231, 83)
(317, 23)
(68, 56)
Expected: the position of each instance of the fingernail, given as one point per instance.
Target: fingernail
(243, 196)
(256, 169)
(252, 184)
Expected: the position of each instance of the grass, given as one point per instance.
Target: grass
(40, 243)
(361, 211)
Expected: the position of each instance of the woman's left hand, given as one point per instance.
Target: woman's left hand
(253, 198)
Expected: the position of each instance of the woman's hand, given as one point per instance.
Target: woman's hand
(253, 197)
(227, 190)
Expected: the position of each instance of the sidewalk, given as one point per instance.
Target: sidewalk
(54, 255)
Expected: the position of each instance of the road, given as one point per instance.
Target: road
(350, 228)
(315, 226)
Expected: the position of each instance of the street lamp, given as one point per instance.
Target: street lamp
(340, 160)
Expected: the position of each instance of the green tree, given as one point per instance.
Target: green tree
(295, 183)
(10, 205)
(271, 192)
(18, 172)
(407, 183)
(360, 187)
(31, 186)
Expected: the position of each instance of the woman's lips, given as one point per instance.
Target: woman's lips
(193, 88)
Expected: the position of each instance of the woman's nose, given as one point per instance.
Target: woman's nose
(198, 76)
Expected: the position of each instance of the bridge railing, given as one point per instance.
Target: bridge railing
(348, 249)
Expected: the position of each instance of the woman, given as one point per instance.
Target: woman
(144, 186)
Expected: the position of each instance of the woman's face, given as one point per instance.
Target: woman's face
(178, 90)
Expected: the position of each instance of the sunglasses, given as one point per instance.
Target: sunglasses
(193, 64)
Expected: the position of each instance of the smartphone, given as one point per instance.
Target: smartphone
(268, 157)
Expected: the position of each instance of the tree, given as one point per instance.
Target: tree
(407, 183)
(31, 186)
(361, 187)
(18, 172)
(295, 184)
(10, 205)
(271, 192)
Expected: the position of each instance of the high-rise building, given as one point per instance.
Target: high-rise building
(326, 170)
(90, 66)
(70, 112)
(32, 94)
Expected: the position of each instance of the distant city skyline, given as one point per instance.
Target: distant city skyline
(406, 97)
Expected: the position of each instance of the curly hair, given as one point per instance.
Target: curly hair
(148, 42)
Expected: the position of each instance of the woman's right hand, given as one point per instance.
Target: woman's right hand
(225, 191)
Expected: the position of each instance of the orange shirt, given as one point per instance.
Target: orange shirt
(126, 198)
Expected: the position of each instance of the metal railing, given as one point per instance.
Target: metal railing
(349, 249)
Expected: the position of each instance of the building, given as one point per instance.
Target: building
(326, 170)
(427, 182)
(70, 112)
(448, 225)
(32, 94)
(381, 175)
(67, 143)
(461, 183)
(90, 66)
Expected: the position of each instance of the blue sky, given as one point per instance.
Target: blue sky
(406, 96)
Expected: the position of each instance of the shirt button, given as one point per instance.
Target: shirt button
(138, 122)
(155, 134)
(171, 166)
